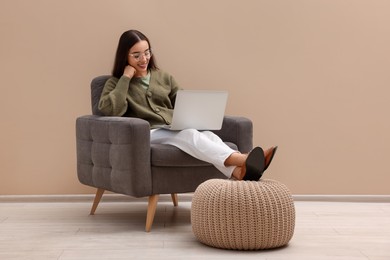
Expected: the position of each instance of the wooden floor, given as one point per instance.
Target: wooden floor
(64, 230)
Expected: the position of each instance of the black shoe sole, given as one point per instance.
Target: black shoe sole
(254, 165)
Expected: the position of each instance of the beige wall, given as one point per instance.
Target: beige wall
(312, 75)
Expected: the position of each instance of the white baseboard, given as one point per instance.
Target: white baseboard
(343, 198)
(86, 198)
(186, 197)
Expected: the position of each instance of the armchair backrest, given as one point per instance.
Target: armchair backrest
(97, 85)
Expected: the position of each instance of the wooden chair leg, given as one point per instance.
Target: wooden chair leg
(151, 212)
(98, 197)
(175, 200)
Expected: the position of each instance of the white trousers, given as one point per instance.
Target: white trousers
(203, 145)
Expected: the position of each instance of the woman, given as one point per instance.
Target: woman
(138, 88)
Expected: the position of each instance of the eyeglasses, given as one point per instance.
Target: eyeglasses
(137, 55)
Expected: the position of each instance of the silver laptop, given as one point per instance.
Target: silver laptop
(198, 109)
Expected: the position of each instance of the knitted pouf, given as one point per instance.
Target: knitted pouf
(243, 215)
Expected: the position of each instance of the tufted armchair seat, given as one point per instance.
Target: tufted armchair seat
(115, 154)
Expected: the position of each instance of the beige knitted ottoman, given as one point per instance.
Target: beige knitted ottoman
(243, 215)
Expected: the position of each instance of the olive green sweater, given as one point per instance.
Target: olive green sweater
(126, 97)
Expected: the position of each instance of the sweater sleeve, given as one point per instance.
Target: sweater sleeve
(174, 89)
(113, 99)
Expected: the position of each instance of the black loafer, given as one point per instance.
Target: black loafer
(255, 164)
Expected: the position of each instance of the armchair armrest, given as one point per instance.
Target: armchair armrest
(238, 130)
(113, 153)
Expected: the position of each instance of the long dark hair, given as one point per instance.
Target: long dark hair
(126, 41)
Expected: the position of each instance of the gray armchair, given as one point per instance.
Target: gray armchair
(115, 154)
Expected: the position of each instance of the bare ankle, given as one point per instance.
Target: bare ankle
(236, 159)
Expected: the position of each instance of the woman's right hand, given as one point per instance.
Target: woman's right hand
(129, 71)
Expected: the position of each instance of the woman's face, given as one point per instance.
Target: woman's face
(139, 56)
